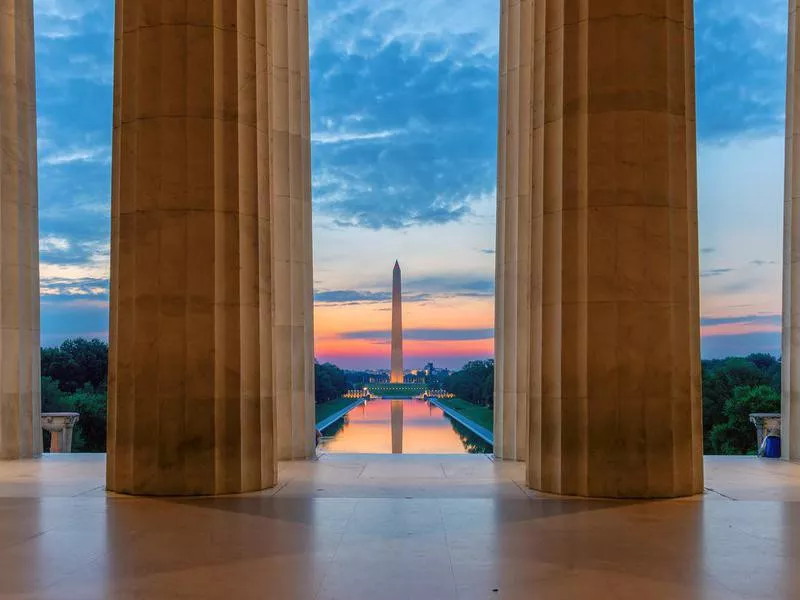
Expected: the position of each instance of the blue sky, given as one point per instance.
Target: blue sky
(404, 122)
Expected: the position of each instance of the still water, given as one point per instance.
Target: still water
(400, 427)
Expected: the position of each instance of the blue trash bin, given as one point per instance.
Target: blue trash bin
(772, 447)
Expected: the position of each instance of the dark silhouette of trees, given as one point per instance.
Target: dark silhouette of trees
(473, 383)
(732, 389)
(77, 363)
(331, 382)
(357, 379)
(736, 435)
(75, 379)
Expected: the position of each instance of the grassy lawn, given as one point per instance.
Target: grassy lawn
(479, 414)
(326, 409)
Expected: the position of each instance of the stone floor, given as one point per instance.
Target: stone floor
(386, 527)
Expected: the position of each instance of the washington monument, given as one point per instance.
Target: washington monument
(397, 325)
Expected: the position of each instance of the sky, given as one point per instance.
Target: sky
(404, 138)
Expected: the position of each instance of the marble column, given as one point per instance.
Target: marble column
(598, 308)
(292, 244)
(20, 397)
(210, 177)
(790, 410)
(512, 296)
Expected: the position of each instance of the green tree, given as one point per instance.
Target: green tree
(90, 432)
(770, 367)
(488, 388)
(75, 363)
(723, 376)
(75, 379)
(52, 396)
(473, 383)
(330, 381)
(356, 379)
(737, 435)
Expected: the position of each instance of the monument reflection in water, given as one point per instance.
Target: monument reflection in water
(400, 427)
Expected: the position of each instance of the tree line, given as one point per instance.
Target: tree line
(733, 388)
(473, 383)
(330, 382)
(75, 379)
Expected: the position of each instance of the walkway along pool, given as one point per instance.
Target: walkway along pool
(410, 426)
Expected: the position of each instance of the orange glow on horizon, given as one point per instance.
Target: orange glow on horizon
(411, 348)
(337, 329)
(740, 329)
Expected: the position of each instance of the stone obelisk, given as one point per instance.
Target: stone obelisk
(397, 325)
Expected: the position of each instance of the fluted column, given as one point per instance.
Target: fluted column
(199, 194)
(599, 163)
(790, 361)
(20, 397)
(512, 302)
(294, 307)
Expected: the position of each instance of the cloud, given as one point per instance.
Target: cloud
(65, 10)
(351, 296)
(66, 19)
(74, 61)
(427, 335)
(69, 317)
(737, 286)
(453, 285)
(420, 289)
(59, 31)
(84, 272)
(773, 319)
(488, 251)
(357, 297)
(715, 272)
(341, 137)
(763, 263)
(99, 155)
(405, 133)
(76, 207)
(52, 243)
(741, 68)
(363, 27)
(62, 27)
(439, 212)
(75, 287)
(74, 43)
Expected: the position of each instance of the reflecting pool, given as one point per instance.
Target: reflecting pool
(410, 426)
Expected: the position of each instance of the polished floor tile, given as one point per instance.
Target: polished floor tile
(413, 528)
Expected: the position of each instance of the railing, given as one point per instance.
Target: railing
(438, 394)
(356, 394)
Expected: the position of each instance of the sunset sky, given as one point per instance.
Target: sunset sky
(404, 120)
